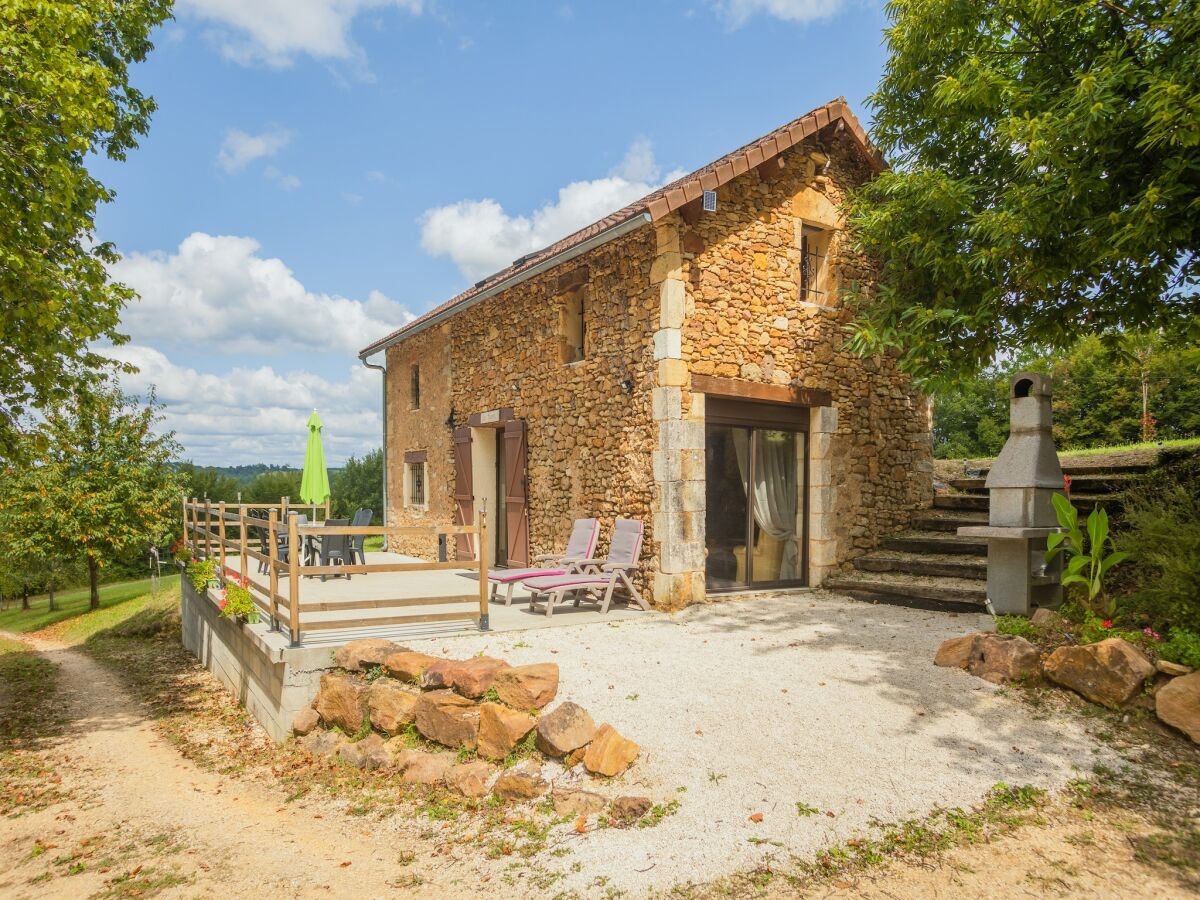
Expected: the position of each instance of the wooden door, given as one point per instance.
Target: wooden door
(516, 499)
(464, 497)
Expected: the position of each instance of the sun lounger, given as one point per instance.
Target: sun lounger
(597, 578)
(580, 546)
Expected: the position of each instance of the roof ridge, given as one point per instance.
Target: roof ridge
(661, 202)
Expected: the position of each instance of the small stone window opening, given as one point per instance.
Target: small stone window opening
(572, 327)
(414, 484)
(415, 386)
(814, 251)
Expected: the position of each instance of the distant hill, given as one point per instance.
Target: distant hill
(245, 474)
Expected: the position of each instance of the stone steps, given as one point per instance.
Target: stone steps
(1105, 483)
(936, 542)
(938, 565)
(923, 591)
(1075, 469)
(981, 503)
(947, 520)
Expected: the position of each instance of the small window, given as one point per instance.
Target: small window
(814, 250)
(414, 484)
(572, 329)
(415, 386)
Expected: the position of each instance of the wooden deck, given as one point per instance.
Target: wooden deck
(334, 598)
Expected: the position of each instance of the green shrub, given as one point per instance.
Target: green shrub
(1162, 512)
(1018, 625)
(1181, 646)
(199, 573)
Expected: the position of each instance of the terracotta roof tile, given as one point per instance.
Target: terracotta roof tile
(663, 201)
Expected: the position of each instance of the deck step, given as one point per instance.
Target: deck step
(890, 588)
(931, 564)
(935, 542)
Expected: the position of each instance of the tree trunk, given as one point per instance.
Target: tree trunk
(94, 583)
(24, 596)
(52, 595)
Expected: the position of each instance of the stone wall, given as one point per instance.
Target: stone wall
(589, 438)
(698, 293)
(423, 429)
(744, 319)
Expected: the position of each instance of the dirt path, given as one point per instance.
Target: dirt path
(143, 809)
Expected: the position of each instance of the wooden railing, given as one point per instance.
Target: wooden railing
(210, 530)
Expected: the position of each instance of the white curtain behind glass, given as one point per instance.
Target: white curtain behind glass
(775, 492)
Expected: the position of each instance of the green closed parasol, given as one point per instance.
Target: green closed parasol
(314, 484)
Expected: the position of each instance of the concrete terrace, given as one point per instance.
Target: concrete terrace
(342, 598)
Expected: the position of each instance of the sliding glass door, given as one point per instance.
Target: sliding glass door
(756, 508)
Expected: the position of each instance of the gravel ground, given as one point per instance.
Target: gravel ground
(757, 705)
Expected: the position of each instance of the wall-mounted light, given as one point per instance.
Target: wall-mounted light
(627, 386)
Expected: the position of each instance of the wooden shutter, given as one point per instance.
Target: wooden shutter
(516, 500)
(464, 498)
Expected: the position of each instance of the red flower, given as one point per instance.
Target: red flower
(1107, 623)
(223, 603)
(1067, 485)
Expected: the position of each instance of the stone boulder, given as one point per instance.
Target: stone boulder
(369, 753)
(568, 727)
(439, 674)
(341, 702)
(1111, 672)
(323, 743)
(501, 729)
(521, 783)
(1046, 618)
(527, 687)
(998, 658)
(1174, 669)
(577, 803)
(473, 677)
(1178, 704)
(358, 655)
(390, 706)
(305, 721)
(954, 652)
(447, 718)
(421, 767)
(630, 809)
(609, 753)
(469, 779)
(407, 665)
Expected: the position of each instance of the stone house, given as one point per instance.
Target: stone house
(680, 361)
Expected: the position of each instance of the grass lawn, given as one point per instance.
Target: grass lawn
(74, 602)
(1179, 444)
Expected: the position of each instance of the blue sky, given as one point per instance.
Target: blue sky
(320, 170)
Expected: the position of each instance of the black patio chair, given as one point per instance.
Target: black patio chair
(362, 517)
(330, 547)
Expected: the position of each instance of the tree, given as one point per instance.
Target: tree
(209, 483)
(64, 95)
(273, 485)
(102, 486)
(359, 485)
(1046, 180)
(1103, 395)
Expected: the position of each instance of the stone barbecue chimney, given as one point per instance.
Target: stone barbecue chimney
(1021, 482)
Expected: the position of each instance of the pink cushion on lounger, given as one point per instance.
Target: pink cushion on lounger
(504, 576)
(550, 583)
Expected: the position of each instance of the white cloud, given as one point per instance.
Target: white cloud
(736, 12)
(481, 238)
(286, 182)
(239, 149)
(217, 291)
(276, 31)
(249, 415)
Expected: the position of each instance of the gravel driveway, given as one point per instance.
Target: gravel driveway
(759, 704)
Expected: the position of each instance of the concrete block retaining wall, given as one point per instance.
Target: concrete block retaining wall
(271, 679)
